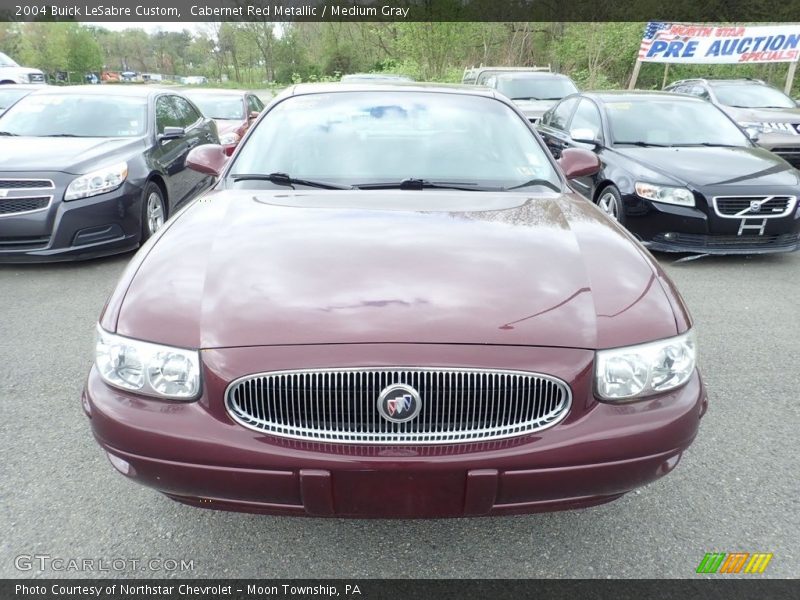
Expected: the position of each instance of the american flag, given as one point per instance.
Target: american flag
(655, 30)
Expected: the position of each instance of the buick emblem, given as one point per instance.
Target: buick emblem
(755, 205)
(399, 403)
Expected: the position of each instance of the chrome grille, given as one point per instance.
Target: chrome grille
(738, 207)
(340, 405)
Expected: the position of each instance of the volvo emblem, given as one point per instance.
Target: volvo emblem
(399, 403)
(755, 205)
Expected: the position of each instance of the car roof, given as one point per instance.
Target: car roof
(21, 86)
(213, 91)
(638, 95)
(134, 91)
(530, 75)
(400, 86)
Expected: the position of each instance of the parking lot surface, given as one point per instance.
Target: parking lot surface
(736, 490)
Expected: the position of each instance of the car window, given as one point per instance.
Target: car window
(586, 116)
(523, 87)
(166, 114)
(561, 114)
(186, 113)
(752, 95)
(363, 137)
(699, 90)
(76, 115)
(254, 104)
(491, 82)
(220, 106)
(670, 122)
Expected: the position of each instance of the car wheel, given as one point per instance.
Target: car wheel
(154, 211)
(610, 202)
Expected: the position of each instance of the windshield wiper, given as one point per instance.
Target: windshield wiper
(421, 184)
(7, 133)
(526, 98)
(61, 135)
(707, 144)
(644, 144)
(285, 179)
(532, 182)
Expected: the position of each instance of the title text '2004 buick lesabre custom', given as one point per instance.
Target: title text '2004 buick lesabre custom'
(391, 304)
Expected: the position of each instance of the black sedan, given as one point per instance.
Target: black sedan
(90, 171)
(679, 173)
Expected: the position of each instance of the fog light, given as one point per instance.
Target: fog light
(670, 236)
(123, 466)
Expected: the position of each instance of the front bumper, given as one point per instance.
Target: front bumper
(787, 146)
(101, 225)
(196, 454)
(668, 228)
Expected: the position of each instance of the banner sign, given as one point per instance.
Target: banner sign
(717, 44)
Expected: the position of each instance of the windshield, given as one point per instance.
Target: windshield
(9, 96)
(219, 106)
(76, 115)
(670, 123)
(752, 96)
(536, 88)
(352, 138)
(5, 61)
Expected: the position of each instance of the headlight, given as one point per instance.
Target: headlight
(97, 182)
(637, 371)
(227, 139)
(666, 194)
(147, 368)
(761, 127)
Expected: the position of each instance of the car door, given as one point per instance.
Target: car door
(197, 130)
(586, 118)
(553, 126)
(170, 154)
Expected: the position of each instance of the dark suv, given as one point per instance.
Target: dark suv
(755, 106)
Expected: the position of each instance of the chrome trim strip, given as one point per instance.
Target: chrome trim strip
(550, 396)
(746, 214)
(27, 212)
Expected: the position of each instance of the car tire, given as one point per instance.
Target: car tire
(610, 202)
(154, 210)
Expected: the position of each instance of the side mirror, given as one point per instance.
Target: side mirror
(585, 136)
(208, 159)
(577, 162)
(753, 133)
(171, 133)
(253, 115)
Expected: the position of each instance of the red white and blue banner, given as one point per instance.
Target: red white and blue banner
(719, 44)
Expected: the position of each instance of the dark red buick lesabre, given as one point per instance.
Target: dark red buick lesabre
(392, 305)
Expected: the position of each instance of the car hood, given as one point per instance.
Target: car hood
(768, 115)
(68, 155)
(260, 267)
(701, 167)
(534, 108)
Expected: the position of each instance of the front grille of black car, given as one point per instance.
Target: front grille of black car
(694, 241)
(738, 207)
(26, 184)
(341, 405)
(11, 206)
(790, 154)
(23, 243)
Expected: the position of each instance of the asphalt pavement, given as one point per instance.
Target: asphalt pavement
(736, 489)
